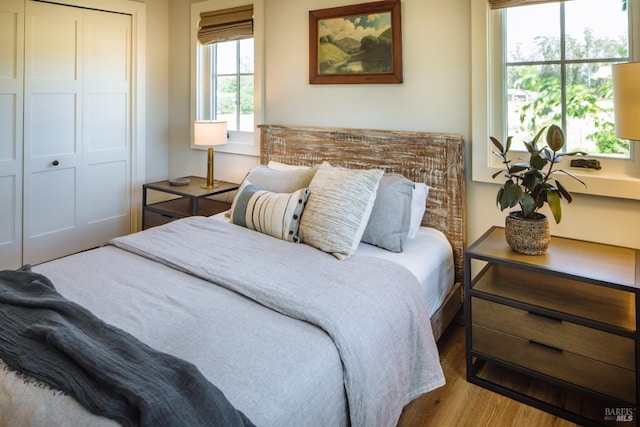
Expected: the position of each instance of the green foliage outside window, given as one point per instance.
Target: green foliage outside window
(536, 96)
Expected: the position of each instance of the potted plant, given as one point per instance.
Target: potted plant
(529, 185)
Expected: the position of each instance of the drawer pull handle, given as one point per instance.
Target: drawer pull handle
(545, 346)
(545, 316)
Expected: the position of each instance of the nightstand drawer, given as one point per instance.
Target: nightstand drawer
(564, 365)
(592, 343)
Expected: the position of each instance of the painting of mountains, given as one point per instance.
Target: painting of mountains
(360, 43)
(355, 44)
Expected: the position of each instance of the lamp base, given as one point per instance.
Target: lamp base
(210, 183)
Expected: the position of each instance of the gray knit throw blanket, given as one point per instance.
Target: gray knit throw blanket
(44, 336)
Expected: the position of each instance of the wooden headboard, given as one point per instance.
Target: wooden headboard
(435, 159)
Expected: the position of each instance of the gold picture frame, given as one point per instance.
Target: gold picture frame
(356, 44)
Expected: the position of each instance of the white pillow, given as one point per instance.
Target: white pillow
(418, 206)
(275, 214)
(284, 166)
(338, 209)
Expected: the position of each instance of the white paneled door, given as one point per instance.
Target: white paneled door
(11, 95)
(77, 129)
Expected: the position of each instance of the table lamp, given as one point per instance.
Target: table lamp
(209, 133)
(626, 100)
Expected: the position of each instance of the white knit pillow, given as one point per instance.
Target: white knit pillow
(338, 209)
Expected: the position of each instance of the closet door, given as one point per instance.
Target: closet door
(11, 95)
(76, 129)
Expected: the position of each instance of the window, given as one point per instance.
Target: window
(226, 81)
(550, 63)
(557, 70)
(227, 88)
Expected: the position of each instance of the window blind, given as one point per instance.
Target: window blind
(499, 4)
(227, 24)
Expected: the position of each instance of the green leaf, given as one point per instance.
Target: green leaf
(537, 137)
(508, 143)
(555, 138)
(537, 162)
(553, 199)
(563, 191)
(518, 167)
(496, 174)
(529, 147)
(571, 175)
(497, 144)
(511, 195)
(500, 155)
(528, 204)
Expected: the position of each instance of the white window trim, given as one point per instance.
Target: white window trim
(483, 100)
(247, 143)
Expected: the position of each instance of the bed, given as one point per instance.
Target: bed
(290, 333)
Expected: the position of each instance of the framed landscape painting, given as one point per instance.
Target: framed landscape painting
(360, 43)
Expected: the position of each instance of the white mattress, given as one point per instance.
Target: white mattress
(428, 256)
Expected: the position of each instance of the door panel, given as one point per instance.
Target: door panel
(11, 103)
(57, 208)
(53, 120)
(53, 42)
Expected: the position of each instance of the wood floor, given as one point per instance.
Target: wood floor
(462, 404)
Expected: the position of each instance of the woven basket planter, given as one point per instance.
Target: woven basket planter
(527, 236)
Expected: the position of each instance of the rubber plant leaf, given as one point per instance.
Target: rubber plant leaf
(553, 199)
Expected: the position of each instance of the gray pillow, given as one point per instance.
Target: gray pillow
(280, 181)
(276, 181)
(390, 218)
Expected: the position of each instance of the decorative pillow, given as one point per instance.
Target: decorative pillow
(338, 209)
(418, 206)
(390, 218)
(275, 214)
(277, 181)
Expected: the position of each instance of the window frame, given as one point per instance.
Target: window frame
(487, 85)
(239, 142)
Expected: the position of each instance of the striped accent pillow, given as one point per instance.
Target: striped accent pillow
(275, 214)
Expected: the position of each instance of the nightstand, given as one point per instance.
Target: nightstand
(189, 200)
(558, 331)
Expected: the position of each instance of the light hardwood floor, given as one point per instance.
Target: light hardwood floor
(462, 404)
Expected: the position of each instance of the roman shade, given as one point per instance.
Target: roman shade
(235, 23)
(499, 4)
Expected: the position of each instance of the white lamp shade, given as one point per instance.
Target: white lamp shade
(209, 132)
(626, 99)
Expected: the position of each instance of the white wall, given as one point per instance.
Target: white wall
(435, 96)
(157, 89)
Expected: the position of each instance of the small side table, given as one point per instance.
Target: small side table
(191, 200)
(559, 331)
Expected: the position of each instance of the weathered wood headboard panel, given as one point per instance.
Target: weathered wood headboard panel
(435, 159)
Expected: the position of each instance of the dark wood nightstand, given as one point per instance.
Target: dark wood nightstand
(190, 200)
(557, 331)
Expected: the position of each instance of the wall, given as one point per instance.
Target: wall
(435, 96)
(157, 89)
